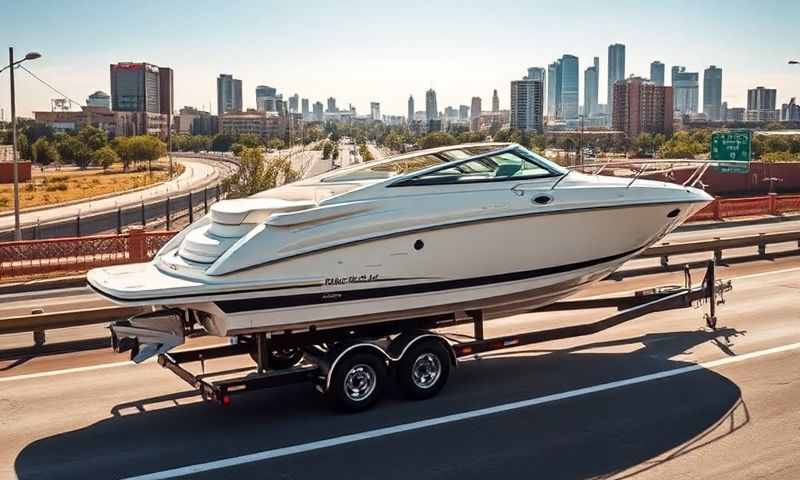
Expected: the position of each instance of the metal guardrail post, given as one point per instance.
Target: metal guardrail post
(762, 247)
(144, 221)
(78, 225)
(36, 230)
(191, 208)
(119, 220)
(169, 222)
(205, 200)
(218, 192)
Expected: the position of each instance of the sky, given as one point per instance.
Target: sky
(360, 52)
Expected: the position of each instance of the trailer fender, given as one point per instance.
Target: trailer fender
(391, 356)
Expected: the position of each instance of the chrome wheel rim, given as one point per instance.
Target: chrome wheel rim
(359, 382)
(426, 370)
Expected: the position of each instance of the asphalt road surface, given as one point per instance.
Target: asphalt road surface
(660, 397)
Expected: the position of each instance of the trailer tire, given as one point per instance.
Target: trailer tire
(423, 370)
(357, 381)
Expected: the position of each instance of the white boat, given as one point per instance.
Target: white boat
(477, 226)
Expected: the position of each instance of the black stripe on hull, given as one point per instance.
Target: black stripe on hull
(331, 297)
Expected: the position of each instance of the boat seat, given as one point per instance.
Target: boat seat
(230, 221)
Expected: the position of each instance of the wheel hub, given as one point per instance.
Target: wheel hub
(359, 383)
(426, 370)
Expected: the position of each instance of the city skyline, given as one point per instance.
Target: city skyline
(388, 68)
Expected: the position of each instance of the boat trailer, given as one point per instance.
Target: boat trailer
(351, 364)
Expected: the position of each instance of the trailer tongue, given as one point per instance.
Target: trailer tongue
(351, 365)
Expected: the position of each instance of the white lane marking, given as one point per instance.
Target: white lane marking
(457, 417)
(54, 373)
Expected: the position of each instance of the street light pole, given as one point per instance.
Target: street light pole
(15, 166)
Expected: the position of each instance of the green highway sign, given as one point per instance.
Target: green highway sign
(732, 145)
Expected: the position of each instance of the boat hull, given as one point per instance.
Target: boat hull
(501, 265)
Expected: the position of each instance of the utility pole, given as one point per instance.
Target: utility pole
(15, 167)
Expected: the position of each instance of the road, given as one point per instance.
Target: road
(661, 397)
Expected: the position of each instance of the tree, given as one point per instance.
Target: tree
(366, 155)
(394, 141)
(335, 152)
(221, 142)
(44, 153)
(93, 137)
(105, 157)
(249, 140)
(779, 157)
(327, 149)
(237, 149)
(146, 148)
(256, 174)
(121, 145)
(73, 151)
(23, 146)
(436, 139)
(275, 144)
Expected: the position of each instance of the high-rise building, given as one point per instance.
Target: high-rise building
(657, 73)
(761, 104)
(135, 87)
(410, 113)
(642, 106)
(166, 91)
(304, 107)
(685, 90)
(431, 111)
(99, 99)
(536, 73)
(375, 110)
(463, 112)
(554, 90)
(790, 112)
(569, 87)
(527, 105)
(712, 92)
(229, 94)
(591, 83)
(475, 113)
(267, 99)
(317, 111)
(332, 105)
(495, 101)
(294, 103)
(616, 71)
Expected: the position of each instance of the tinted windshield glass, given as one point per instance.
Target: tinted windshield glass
(515, 164)
(402, 166)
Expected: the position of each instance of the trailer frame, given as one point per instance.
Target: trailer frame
(323, 349)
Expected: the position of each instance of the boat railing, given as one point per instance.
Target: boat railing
(638, 168)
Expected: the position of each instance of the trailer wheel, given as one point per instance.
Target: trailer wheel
(357, 382)
(280, 359)
(423, 370)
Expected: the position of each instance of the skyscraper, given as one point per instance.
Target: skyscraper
(463, 112)
(657, 73)
(554, 90)
(642, 106)
(410, 116)
(431, 111)
(536, 73)
(166, 91)
(229, 94)
(294, 101)
(332, 105)
(475, 113)
(569, 87)
(317, 111)
(712, 92)
(495, 101)
(761, 104)
(304, 107)
(527, 104)
(616, 71)
(99, 99)
(375, 111)
(591, 82)
(685, 90)
(267, 99)
(135, 87)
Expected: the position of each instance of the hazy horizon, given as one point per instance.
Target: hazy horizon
(360, 52)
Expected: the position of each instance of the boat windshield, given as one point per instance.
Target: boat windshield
(408, 164)
(515, 164)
